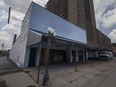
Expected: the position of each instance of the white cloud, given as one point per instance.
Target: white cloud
(8, 30)
(23, 5)
(3, 36)
(105, 16)
(109, 18)
(3, 14)
(112, 36)
(40, 2)
(6, 35)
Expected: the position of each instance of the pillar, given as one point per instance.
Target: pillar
(87, 55)
(77, 56)
(38, 54)
(69, 55)
(84, 56)
(26, 60)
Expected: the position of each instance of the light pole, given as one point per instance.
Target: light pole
(2, 48)
(51, 34)
(39, 62)
(91, 60)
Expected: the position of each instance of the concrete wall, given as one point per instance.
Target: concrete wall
(17, 53)
(33, 37)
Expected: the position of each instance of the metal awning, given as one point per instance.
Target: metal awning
(65, 41)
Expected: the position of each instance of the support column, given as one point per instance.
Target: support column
(38, 54)
(26, 60)
(84, 56)
(87, 55)
(97, 54)
(69, 55)
(77, 56)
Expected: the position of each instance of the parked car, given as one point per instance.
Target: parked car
(106, 54)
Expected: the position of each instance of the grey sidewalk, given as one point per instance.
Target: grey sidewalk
(19, 79)
(6, 64)
(87, 76)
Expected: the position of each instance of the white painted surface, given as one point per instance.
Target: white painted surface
(77, 55)
(41, 19)
(33, 37)
(17, 53)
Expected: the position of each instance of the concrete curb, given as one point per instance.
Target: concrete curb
(10, 71)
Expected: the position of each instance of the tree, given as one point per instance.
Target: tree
(114, 44)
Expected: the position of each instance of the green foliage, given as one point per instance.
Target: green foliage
(4, 53)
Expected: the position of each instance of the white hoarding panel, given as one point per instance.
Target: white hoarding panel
(41, 19)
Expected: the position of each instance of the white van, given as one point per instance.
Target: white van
(106, 54)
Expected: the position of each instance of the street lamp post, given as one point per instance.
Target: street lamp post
(75, 60)
(51, 34)
(2, 48)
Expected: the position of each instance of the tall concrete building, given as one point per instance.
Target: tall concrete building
(77, 12)
(80, 13)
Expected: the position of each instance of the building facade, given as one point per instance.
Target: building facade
(71, 43)
(30, 49)
(80, 13)
(77, 12)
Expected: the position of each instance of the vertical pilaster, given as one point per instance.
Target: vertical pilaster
(26, 60)
(87, 55)
(69, 55)
(77, 56)
(38, 54)
(84, 56)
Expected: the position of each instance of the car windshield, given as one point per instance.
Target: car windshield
(106, 52)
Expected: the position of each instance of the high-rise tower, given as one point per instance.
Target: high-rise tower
(77, 12)
(80, 13)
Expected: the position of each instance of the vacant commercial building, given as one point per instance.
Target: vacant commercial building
(81, 13)
(30, 48)
(70, 44)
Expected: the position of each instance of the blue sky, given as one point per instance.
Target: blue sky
(105, 13)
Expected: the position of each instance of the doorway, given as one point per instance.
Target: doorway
(73, 56)
(32, 57)
(80, 53)
(57, 56)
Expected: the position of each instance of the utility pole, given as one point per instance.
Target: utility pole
(2, 48)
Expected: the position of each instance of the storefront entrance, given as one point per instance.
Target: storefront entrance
(32, 57)
(80, 56)
(56, 56)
